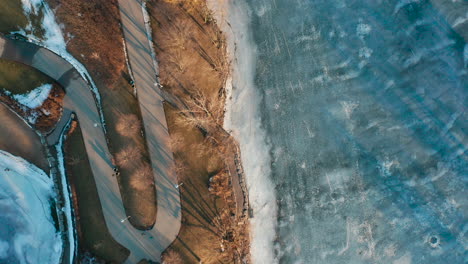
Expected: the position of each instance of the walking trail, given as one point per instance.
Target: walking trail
(79, 99)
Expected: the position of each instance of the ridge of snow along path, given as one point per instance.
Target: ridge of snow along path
(27, 230)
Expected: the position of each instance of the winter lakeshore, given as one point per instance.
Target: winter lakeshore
(352, 127)
(350, 117)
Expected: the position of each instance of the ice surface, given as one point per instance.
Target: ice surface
(4, 247)
(366, 120)
(27, 231)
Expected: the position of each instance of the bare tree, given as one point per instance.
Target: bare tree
(180, 36)
(128, 125)
(127, 156)
(177, 141)
(179, 60)
(201, 111)
(142, 178)
(171, 257)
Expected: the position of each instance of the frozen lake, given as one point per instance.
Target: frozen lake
(27, 229)
(364, 107)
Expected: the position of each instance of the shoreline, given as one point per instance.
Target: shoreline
(193, 68)
(240, 92)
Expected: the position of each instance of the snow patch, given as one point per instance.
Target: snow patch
(34, 98)
(460, 20)
(54, 41)
(363, 29)
(365, 53)
(31, 6)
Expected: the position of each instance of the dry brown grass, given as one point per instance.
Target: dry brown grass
(193, 67)
(171, 257)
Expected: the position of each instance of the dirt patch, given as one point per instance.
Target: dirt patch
(99, 46)
(193, 68)
(95, 239)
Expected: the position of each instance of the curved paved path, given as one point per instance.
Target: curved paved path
(150, 97)
(79, 99)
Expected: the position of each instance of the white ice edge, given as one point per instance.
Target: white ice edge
(67, 198)
(242, 117)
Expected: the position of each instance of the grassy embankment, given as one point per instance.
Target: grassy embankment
(98, 45)
(13, 19)
(92, 229)
(19, 79)
(193, 67)
(11, 16)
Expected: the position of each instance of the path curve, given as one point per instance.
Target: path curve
(79, 99)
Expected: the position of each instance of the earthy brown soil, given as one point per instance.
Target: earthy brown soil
(193, 67)
(96, 40)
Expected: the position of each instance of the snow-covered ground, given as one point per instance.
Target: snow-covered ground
(53, 40)
(27, 231)
(34, 98)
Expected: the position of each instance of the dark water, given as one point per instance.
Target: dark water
(365, 107)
